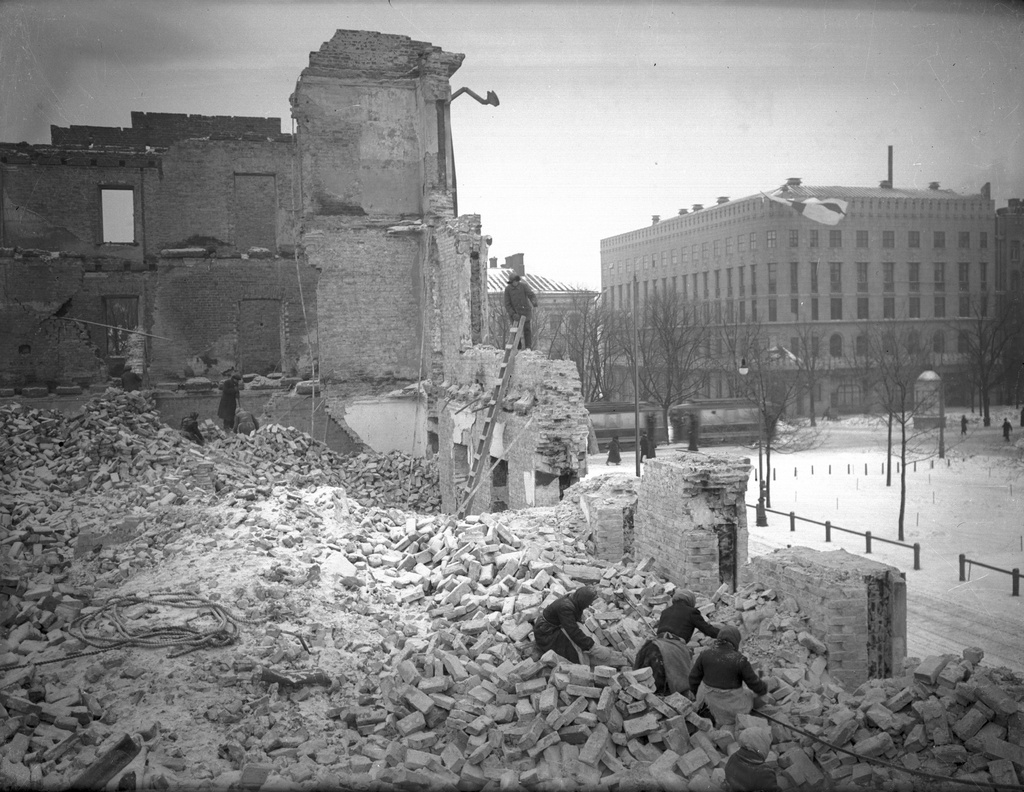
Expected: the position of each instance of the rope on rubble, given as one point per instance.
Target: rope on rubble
(223, 633)
(968, 782)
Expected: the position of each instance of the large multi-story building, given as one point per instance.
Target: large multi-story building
(926, 256)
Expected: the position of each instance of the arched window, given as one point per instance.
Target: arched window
(939, 342)
(963, 342)
(862, 345)
(835, 345)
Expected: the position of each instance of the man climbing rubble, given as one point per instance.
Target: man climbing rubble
(558, 628)
(668, 655)
(718, 677)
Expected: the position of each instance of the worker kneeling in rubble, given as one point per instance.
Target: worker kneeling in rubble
(723, 671)
(668, 655)
(558, 628)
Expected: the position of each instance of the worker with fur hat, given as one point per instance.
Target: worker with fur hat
(719, 674)
(520, 300)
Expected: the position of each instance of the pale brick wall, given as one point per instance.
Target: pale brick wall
(685, 505)
(866, 635)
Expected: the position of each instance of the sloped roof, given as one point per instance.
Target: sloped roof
(497, 279)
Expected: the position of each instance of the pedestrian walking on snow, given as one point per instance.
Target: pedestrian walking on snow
(1007, 428)
(614, 455)
(963, 424)
(520, 300)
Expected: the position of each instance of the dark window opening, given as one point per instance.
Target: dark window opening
(499, 485)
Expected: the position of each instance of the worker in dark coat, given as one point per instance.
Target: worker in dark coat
(130, 381)
(558, 625)
(646, 448)
(963, 424)
(718, 676)
(667, 654)
(245, 422)
(614, 455)
(746, 770)
(1007, 428)
(681, 618)
(229, 401)
(520, 300)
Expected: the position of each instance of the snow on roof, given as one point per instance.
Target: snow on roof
(497, 278)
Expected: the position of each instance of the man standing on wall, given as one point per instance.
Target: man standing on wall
(520, 300)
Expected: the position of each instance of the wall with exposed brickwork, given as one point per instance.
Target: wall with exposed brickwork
(857, 607)
(691, 519)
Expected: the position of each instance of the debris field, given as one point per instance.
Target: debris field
(259, 612)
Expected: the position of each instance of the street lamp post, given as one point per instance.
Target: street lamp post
(761, 519)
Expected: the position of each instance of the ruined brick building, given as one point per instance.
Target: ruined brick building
(332, 253)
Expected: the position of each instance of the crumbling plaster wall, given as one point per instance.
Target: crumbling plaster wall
(373, 141)
(691, 518)
(540, 431)
(856, 606)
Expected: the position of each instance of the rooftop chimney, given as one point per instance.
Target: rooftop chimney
(655, 219)
(515, 263)
(684, 211)
(698, 207)
(493, 261)
(793, 181)
(723, 199)
(933, 185)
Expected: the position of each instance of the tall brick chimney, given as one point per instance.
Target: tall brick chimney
(493, 261)
(515, 263)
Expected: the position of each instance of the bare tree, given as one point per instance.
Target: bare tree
(987, 337)
(671, 348)
(579, 335)
(897, 358)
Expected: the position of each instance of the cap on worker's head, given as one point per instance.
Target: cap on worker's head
(685, 595)
(756, 738)
(515, 276)
(585, 596)
(236, 376)
(730, 634)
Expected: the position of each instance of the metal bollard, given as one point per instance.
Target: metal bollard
(867, 542)
(963, 567)
(792, 521)
(1016, 582)
(828, 530)
(917, 555)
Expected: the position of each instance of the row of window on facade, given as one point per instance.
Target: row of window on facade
(743, 242)
(705, 284)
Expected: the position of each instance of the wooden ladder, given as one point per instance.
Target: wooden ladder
(483, 446)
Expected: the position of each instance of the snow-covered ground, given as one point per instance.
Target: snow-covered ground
(971, 502)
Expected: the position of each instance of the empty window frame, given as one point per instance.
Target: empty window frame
(117, 215)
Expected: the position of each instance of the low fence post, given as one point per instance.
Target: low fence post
(963, 567)
(917, 555)
(828, 530)
(867, 542)
(792, 521)
(1016, 582)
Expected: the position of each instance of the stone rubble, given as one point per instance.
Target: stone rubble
(384, 648)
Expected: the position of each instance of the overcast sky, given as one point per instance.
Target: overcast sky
(610, 112)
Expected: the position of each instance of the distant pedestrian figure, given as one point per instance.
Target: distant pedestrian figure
(245, 422)
(130, 381)
(963, 424)
(646, 447)
(229, 401)
(614, 456)
(520, 300)
(1007, 428)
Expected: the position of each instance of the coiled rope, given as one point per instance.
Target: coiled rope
(94, 629)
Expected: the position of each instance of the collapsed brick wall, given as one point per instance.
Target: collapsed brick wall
(162, 129)
(857, 607)
(540, 435)
(691, 518)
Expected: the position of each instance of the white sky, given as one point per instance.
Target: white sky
(610, 112)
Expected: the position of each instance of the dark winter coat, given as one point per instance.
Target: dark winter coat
(647, 448)
(614, 457)
(746, 772)
(130, 381)
(245, 423)
(558, 623)
(1007, 428)
(722, 666)
(520, 299)
(228, 400)
(681, 620)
